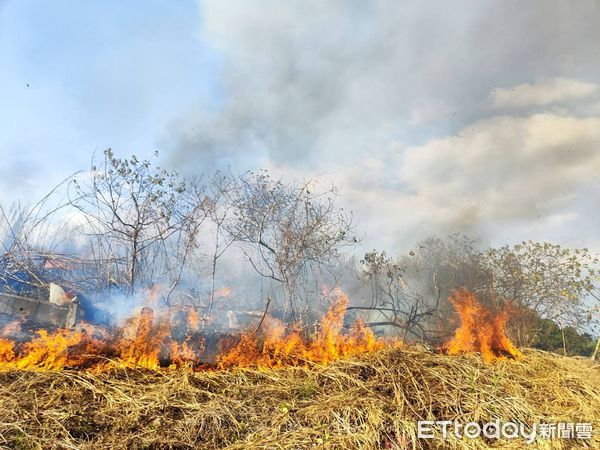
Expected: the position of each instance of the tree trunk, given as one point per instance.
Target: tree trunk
(596, 350)
(133, 267)
(289, 298)
(132, 275)
(213, 277)
(562, 330)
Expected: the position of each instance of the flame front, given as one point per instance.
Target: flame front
(278, 346)
(146, 341)
(479, 331)
(45, 352)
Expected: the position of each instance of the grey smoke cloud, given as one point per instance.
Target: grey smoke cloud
(381, 95)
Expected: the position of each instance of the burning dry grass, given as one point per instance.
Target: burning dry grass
(372, 401)
(479, 330)
(146, 343)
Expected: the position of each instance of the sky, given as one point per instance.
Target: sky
(433, 117)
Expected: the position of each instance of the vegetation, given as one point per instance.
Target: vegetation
(551, 337)
(131, 225)
(373, 402)
(545, 288)
(133, 212)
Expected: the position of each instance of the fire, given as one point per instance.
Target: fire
(193, 319)
(143, 349)
(146, 341)
(7, 352)
(45, 352)
(278, 346)
(480, 330)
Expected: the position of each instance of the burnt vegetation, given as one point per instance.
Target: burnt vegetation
(270, 247)
(213, 316)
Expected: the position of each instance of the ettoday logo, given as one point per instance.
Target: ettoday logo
(431, 429)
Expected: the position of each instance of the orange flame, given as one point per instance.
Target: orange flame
(7, 353)
(277, 346)
(45, 352)
(146, 341)
(193, 319)
(480, 331)
(144, 349)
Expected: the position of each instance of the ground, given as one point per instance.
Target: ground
(373, 401)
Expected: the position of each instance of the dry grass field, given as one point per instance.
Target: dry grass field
(372, 401)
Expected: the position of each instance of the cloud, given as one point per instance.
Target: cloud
(312, 82)
(345, 89)
(504, 169)
(554, 90)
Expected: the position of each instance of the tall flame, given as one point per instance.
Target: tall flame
(479, 331)
(278, 345)
(144, 348)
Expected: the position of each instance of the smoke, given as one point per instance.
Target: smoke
(345, 88)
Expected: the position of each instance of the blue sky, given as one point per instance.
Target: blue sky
(78, 77)
(433, 117)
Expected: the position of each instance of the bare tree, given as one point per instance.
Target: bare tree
(178, 249)
(34, 245)
(287, 231)
(218, 210)
(133, 210)
(410, 292)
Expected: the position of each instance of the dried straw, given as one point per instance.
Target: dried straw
(368, 402)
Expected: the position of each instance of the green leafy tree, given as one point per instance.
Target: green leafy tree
(551, 337)
(552, 281)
